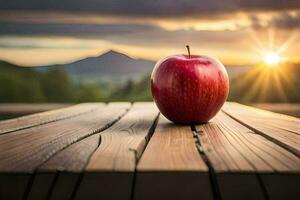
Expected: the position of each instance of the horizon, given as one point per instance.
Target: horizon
(99, 56)
(237, 33)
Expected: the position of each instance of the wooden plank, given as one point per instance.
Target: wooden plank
(40, 186)
(73, 158)
(275, 119)
(56, 178)
(28, 108)
(24, 150)
(292, 109)
(46, 117)
(282, 129)
(109, 173)
(240, 157)
(171, 167)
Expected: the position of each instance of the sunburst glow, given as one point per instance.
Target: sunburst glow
(273, 73)
(272, 58)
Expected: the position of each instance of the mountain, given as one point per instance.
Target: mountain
(264, 84)
(115, 68)
(111, 63)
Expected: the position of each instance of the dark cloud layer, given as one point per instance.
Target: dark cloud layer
(284, 20)
(74, 29)
(150, 7)
(128, 34)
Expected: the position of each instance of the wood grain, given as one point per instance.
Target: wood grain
(109, 173)
(281, 129)
(24, 150)
(238, 154)
(98, 151)
(62, 171)
(171, 167)
(46, 117)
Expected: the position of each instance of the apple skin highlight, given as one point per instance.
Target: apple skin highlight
(189, 89)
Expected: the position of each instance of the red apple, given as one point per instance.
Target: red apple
(189, 89)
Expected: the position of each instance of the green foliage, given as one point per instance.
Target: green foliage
(139, 91)
(19, 84)
(57, 86)
(89, 93)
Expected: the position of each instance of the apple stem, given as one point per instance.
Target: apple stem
(188, 49)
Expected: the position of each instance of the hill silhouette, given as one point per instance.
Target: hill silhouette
(111, 65)
(116, 64)
(57, 84)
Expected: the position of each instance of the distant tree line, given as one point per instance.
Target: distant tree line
(28, 85)
(19, 84)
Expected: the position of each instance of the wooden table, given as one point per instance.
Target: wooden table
(129, 151)
(284, 108)
(11, 110)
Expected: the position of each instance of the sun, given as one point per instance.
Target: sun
(272, 58)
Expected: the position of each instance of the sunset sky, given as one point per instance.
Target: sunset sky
(238, 32)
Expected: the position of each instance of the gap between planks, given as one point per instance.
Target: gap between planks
(71, 171)
(212, 174)
(281, 129)
(267, 179)
(76, 157)
(19, 167)
(112, 166)
(171, 167)
(240, 157)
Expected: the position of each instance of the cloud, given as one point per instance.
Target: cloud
(143, 28)
(255, 22)
(150, 7)
(87, 30)
(281, 20)
(137, 34)
(286, 21)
